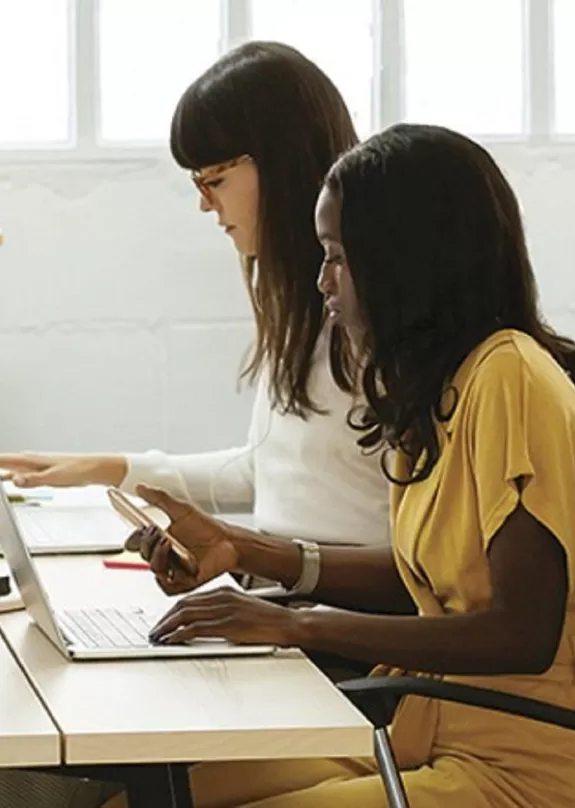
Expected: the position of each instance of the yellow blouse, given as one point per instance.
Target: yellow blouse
(515, 417)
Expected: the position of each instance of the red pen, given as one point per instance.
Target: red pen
(125, 565)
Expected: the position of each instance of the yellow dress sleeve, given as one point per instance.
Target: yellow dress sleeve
(520, 424)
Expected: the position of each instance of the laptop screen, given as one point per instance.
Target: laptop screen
(24, 572)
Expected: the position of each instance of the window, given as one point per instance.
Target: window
(149, 52)
(464, 64)
(563, 32)
(34, 72)
(336, 35)
(103, 76)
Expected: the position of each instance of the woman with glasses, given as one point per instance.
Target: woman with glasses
(257, 133)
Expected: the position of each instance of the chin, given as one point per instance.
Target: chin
(243, 246)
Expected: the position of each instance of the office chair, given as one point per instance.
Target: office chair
(376, 696)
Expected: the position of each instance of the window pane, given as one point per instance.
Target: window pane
(333, 35)
(150, 51)
(464, 64)
(34, 79)
(564, 66)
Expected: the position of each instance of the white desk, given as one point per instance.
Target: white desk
(27, 735)
(184, 710)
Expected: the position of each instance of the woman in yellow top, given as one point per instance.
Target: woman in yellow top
(426, 266)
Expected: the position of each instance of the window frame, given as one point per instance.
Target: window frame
(388, 86)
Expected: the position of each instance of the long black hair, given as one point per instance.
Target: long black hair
(435, 244)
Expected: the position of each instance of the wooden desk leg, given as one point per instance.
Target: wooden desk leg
(161, 785)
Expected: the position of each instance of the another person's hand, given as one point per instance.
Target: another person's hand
(207, 540)
(230, 615)
(28, 470)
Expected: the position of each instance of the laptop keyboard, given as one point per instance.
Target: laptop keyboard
(89, 527)
(107, 627)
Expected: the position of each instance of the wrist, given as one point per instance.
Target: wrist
(310, 567)
(301, 629)
(246, 544)
(107, 470)
(266, 556)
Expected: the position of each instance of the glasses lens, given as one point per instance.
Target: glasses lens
(202, 188)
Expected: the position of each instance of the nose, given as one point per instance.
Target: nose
(205, 204)
(325, 278)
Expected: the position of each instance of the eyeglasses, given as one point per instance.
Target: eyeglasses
(204, 175)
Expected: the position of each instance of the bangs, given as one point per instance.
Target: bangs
(200, 135)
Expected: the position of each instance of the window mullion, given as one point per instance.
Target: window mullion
(236, 23)
(539, 70)
(389, 75)
(85, 74)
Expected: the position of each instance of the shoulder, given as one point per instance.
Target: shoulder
(510, 358)
(510, 373)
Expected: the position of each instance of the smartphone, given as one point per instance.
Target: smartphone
(139, 518)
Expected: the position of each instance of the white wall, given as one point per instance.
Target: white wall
(123, 318)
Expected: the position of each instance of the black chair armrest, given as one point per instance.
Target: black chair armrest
(365, 693)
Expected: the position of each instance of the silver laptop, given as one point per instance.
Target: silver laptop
(96, 633)
(49, 529)
(53, 528)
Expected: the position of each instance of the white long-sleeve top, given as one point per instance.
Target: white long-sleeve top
(302, 478)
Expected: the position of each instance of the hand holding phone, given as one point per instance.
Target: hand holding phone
(140, 519)
(194, 549)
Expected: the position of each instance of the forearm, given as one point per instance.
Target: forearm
(357, 578)
(482, 643)
(222, 479)
(105, 469)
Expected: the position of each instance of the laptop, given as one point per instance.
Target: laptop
(50, 529)
(77, 521)
(96, 633)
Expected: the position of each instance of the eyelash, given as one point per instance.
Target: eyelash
(214, 183)
(335, 259)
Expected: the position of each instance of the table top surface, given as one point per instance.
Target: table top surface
(27, 733)
(176, 710)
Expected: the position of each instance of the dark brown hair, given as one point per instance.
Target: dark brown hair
(267, 100)
(436, 248)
